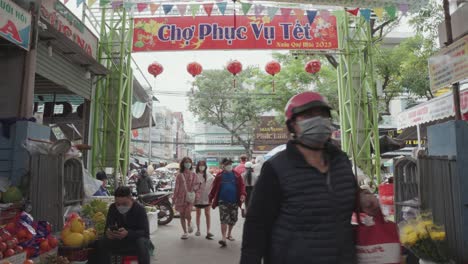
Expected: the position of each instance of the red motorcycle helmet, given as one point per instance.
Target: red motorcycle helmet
(303, 102)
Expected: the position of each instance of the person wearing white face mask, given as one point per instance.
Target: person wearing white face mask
(301, 207)
(185, 193)
(202, 202)
(228, 192)
(127, 229)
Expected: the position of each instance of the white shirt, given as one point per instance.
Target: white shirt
(205, 188)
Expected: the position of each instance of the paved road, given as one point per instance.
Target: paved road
(170, 249)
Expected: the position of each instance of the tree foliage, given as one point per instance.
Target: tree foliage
(218, 103)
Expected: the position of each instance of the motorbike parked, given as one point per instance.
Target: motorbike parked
(160, 200)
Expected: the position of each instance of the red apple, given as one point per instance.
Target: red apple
(45, 246)
(3, 247)
(19, 249)
(53, 242)
(10, 252)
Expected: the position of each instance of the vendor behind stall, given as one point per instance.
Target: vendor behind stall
(127, 230)
(103, 188)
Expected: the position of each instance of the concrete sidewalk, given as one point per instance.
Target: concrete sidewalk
(170, 249)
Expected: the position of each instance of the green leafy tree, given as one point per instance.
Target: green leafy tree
(218, 103)
(293, 79)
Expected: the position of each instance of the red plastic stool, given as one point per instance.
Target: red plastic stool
(130, 260)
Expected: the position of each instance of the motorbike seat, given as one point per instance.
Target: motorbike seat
(152, 196)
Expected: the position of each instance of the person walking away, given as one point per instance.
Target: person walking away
(185, 193)
(257, 167)
(202, 201)
(239, 169)
(144, 183)
(127, 229)
(301, 207)
(249, 181)
(228, 193)
(102, 191)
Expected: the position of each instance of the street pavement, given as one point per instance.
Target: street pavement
(170, 249)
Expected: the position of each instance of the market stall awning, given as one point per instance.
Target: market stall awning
(69, 49)
(435, 109)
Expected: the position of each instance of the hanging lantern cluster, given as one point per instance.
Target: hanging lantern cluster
(273, 68)
(155, 69)
(194, 68)
(313, 66)
(234, 67)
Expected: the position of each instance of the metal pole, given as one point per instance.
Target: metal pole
(455, 86)
(418, 130)
(150, 105)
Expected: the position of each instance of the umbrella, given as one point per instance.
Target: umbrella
(274, 151)
(173, 165)
(163, 169)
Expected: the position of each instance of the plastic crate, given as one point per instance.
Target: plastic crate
(15, 259)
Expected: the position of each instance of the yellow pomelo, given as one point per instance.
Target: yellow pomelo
(77, 226)
(74, 240)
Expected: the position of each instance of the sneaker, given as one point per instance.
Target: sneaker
(184, 236)
(198, 233)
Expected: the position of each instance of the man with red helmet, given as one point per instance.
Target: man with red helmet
(302, 203)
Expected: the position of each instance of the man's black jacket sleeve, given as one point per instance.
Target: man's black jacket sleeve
(262, 212)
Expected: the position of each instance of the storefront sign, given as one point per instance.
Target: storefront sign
(432, 110)
(62, 19)
(229, 32)
(450, 65)
(269, 134)
(15, 24)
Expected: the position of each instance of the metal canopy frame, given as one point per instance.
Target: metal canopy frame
(113, 94)
(356, 86)
(357, 92)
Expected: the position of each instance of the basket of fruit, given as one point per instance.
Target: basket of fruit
(76, 238)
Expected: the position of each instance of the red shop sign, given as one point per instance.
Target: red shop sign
(219, 32)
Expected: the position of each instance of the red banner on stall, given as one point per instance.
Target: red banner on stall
(227, 32)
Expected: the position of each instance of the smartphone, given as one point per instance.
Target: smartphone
(114, 228)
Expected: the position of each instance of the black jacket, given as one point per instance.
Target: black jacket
(297, 216)
(134, 221)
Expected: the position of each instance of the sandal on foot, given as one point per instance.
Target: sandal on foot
(222, 243)
(198, 233)
(209, 236)
(230, 238)
(184, 236)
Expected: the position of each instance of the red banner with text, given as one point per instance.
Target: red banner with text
(229, 32)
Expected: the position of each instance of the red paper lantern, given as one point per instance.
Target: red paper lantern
(194, 68)
(313, 66)
(273, 68)
(155, 69)
(234, 67)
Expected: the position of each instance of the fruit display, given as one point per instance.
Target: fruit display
(12, 195)
(23, 234)
(96, 212)
(75, 234)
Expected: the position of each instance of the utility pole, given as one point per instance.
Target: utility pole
(150, 106)
(455, 86)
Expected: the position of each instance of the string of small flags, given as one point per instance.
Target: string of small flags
(246, 7)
